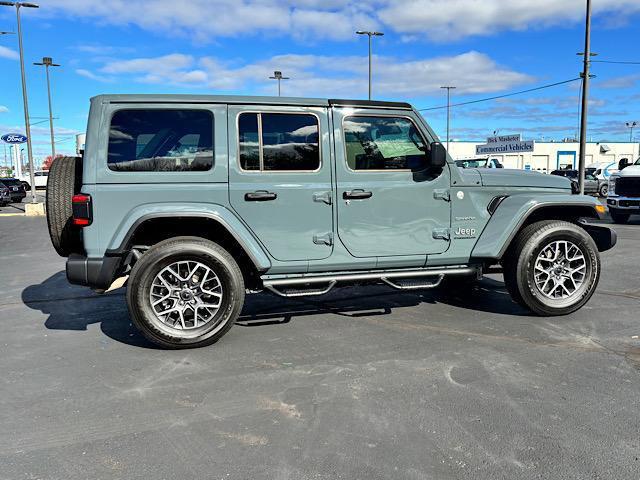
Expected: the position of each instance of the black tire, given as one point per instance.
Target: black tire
(618, 217)
(65, 180)
(604, 190)
(519, 267)
(26, 186)
(166, 253)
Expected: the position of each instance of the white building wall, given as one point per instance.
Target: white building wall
(549, 156)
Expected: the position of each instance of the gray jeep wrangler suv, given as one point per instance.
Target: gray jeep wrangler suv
(201, 199)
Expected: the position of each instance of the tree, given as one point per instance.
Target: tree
(46, 165)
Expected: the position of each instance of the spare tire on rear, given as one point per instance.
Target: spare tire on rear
(65, 180)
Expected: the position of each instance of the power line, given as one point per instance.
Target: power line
(611, 61)
(502, 96)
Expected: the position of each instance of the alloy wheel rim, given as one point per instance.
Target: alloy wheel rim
(186, 295)
(560, 270)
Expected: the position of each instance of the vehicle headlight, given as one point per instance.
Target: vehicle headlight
(612, 186)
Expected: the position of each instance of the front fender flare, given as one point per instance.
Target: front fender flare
(118, 243)
(513, 212)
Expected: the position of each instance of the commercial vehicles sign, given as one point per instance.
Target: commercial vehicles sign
(15, 138)
(505, 144)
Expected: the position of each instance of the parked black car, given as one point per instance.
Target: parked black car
(591, 185)
(15, 187)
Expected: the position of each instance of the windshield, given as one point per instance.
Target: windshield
(637, 162)
(10, 182)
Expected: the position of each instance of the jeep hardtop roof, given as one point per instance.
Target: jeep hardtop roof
(241, 99)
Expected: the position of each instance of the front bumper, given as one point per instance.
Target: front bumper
(624, 203)
(604, 237)
(18, 197)
(96, 273)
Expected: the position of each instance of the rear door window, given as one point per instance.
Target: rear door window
(157, 140)
(279, 142)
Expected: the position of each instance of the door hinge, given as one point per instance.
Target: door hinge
(442, 194)
(322, 197)
(442, 234)
(323, 239)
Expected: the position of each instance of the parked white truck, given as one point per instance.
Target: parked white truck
(40, 176)
(623, 198)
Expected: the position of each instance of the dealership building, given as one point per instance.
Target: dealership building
(549, 156)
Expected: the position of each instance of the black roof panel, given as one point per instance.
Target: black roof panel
(367, 103)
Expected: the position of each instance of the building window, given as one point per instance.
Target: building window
(384, 143)
(278, 142)
(157, 140)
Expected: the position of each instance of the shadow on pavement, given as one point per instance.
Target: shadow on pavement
(265, 309)
(75, 308)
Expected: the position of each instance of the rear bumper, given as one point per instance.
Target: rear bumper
(92, 272)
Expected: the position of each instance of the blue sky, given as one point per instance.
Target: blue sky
(484, 47)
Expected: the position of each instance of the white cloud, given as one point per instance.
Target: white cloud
(92, 76)
(8, 53)
(626, 81)
(312, 75)
(441, 20)
(3, 109)
(445, 20)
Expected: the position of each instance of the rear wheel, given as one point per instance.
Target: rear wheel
(185, 292)
(619, 217)
(65, 180)
(553, 268)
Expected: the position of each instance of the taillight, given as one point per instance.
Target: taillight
(82, 212)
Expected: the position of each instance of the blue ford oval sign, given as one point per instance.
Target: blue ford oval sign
(13, 138)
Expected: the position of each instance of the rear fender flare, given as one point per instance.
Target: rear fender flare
(119, 242)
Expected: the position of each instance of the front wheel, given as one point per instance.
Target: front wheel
(604, 190)
(185, 292)
(553, 268)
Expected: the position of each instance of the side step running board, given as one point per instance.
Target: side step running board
(278, 285)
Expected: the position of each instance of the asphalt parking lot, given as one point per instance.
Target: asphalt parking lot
(364, 383)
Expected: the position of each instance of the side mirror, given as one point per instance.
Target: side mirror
(438, 155)
(624, 163)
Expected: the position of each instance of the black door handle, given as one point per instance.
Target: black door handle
(260, 196)
(356, 195)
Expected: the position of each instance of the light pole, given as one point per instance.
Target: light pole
(585, 97)
(370, 34)
(277, 75)
(448, 88)
(4, 144)
(27, 127)
(48, 62)
(631, 126)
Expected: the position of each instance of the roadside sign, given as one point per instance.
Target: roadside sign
(505, 147)
(504, 138)
(14, 138)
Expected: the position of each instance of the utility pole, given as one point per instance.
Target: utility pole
(585, 97)
(631, 126)
(448, 110)
(370, 34)
(48, 62)
(27, 127)
(277, 75)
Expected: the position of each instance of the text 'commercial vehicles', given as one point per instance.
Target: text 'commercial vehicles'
(200, 199)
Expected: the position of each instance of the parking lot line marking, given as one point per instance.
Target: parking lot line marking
(12, 214)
